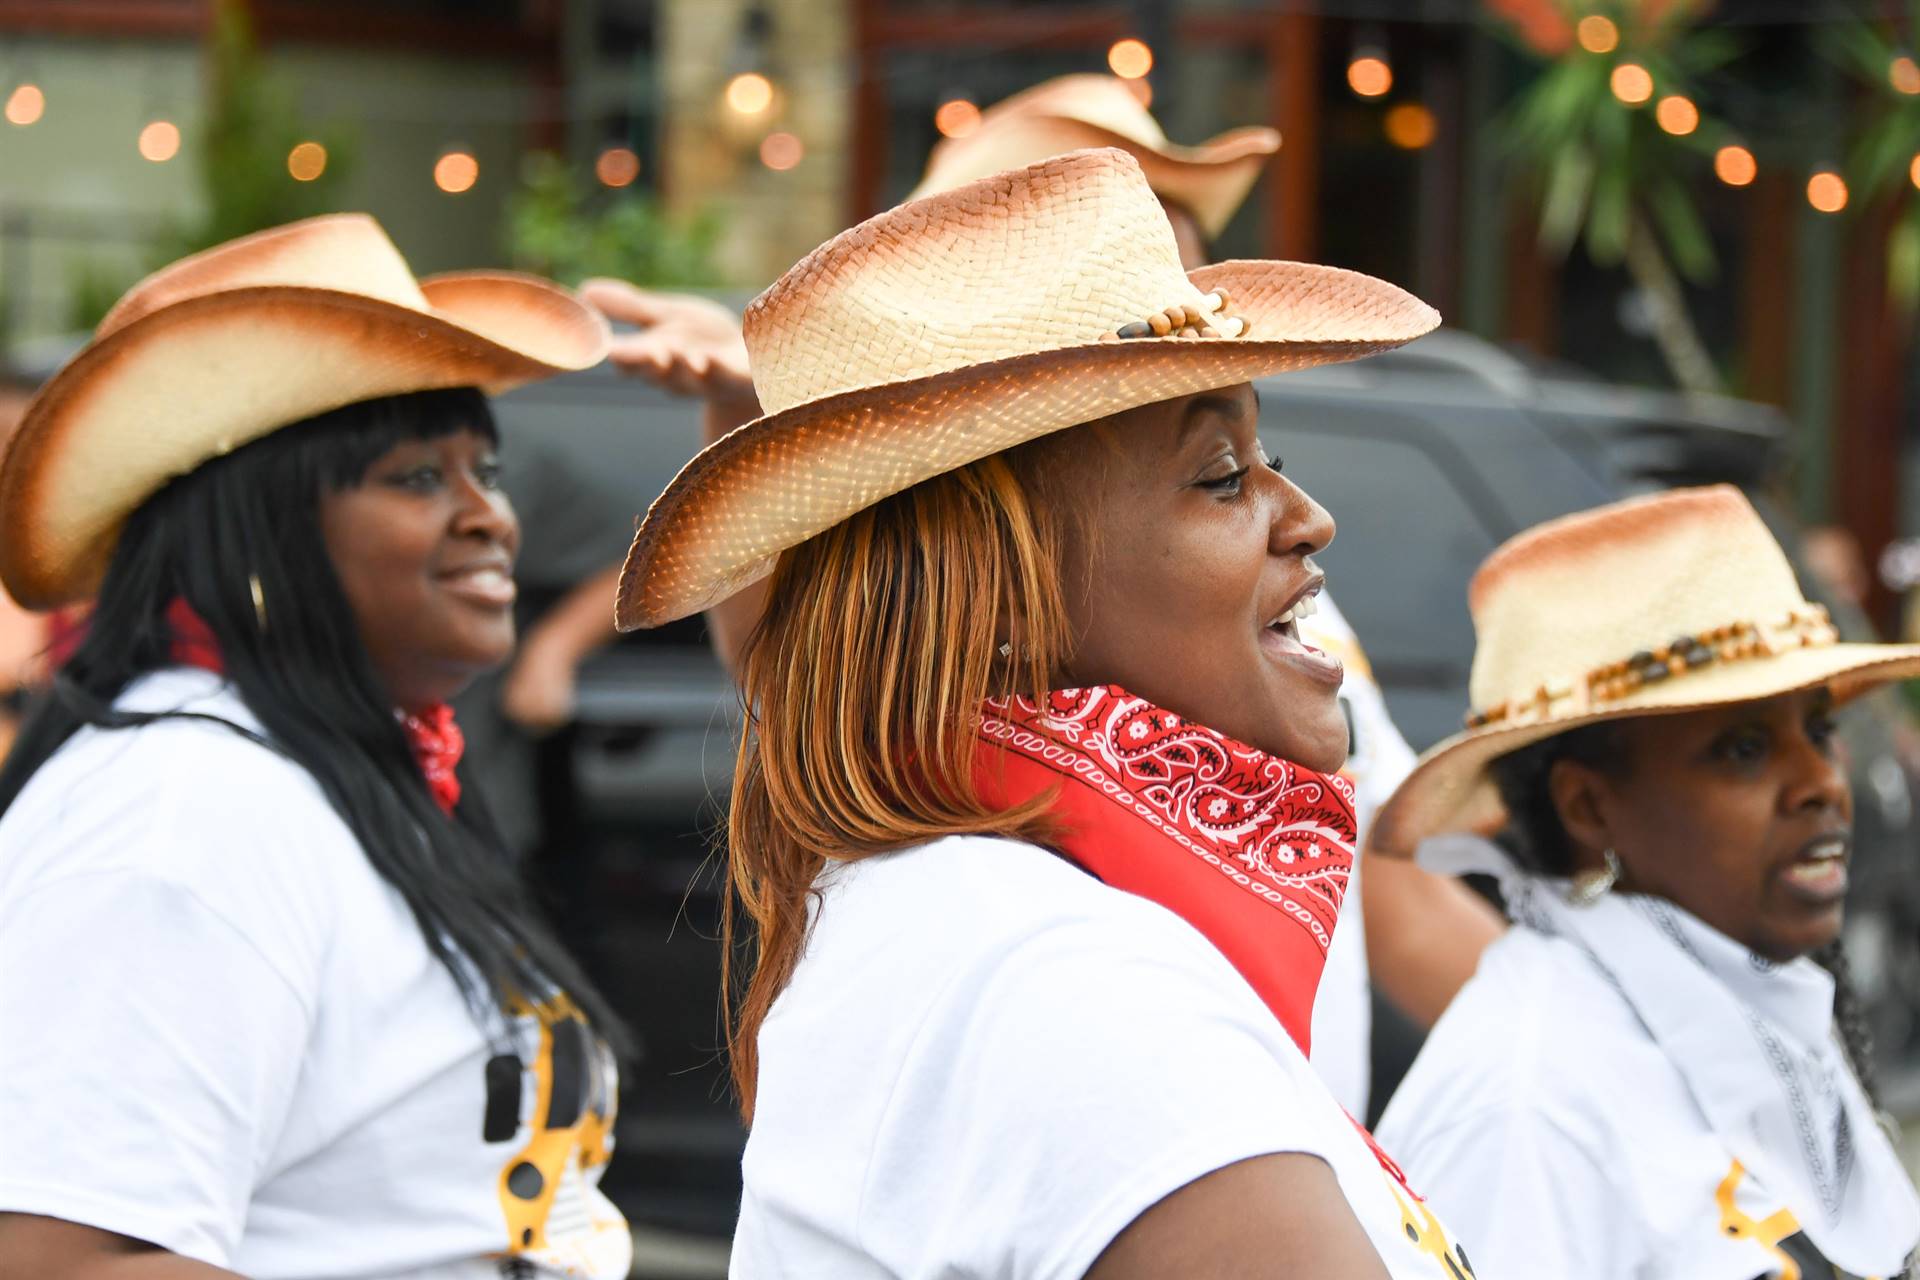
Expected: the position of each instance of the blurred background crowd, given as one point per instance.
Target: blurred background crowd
(1675, 241)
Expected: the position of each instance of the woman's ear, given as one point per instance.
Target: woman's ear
(1579, 793)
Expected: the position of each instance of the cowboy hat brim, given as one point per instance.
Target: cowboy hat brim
(785, 477)
(1210, 180)
(173, 388)
(1451, 790)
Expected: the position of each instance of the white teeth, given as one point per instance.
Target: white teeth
(1284, 619)
(1306, 608)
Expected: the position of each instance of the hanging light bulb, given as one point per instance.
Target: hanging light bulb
(26, 104)
(1903, 73)
(306, 161)
(1631, 83)
(1597, 33)
(456, 171)
(1734, 165)
(159, 141)
(749, 94)
(1677, 114)
(1369, 74)
(781, 151)
(1827, 191)
(1130, 59)
(956, 118)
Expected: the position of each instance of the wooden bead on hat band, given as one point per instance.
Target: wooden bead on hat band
(1806, 627)
(1208, 320)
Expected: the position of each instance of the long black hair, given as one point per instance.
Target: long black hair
(1538, 841)
(254, 516)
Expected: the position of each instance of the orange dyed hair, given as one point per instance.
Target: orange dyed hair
(862, 682)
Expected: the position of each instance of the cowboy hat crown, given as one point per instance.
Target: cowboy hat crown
(958, 326)
(226, 346)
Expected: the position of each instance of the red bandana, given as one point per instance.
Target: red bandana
(1252, 850)
(436, 740)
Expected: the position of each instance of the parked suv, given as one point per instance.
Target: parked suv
(1428, 457)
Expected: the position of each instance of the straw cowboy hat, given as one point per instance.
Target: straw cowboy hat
(964, 324)
(1075, 112)
(228, 345)
(1655, 605)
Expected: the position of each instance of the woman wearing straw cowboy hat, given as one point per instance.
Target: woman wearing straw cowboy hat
(1425, 932)
(274, 1002)
(1643, 1078)
(1036, 819)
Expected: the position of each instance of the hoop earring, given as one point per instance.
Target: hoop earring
(259, 601)
(1591, 886)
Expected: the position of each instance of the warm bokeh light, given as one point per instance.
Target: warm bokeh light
(455, 172)
(1130, 59)
(1597, 34)
(1141, 90)
(956, 118)
(1677, 114)
(26, 104)
(160, 141)
(1369, 75)
(1734, 165)
(1827, 191)
(781, 151)
(749, 93)
(617, 167)
(1903, 73)
(1631, 83)
(307, 161)
(1410, 126)
(1913, 171)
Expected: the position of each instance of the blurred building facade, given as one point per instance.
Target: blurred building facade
(785, 120)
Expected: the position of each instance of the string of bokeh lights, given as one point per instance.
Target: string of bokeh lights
(752, 99)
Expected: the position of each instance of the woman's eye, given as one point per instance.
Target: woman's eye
(1821, 730)
(421, 479)
(1742, 746)
(487, 474)
(1275, 464)
(1228, 484)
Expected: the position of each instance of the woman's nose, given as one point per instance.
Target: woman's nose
(484, 510)
(1301, 526)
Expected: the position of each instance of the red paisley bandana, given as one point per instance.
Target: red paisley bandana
(436, 740)
(1252, 850)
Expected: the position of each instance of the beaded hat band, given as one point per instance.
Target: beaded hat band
(1564, 614)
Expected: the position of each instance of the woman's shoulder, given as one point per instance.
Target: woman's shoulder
(193, 795)
(987, 894)
(1537, 1038)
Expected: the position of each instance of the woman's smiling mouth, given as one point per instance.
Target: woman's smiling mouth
(1818, 876)
(488, 583)
(1280, 638)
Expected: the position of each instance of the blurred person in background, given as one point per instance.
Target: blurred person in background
(1650, 1075)
(1026, 683)
(1423, 933)
(277, 1003)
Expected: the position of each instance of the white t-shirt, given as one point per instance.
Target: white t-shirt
(226, 1036)
(1558, 1136)
(988, 1063)
(1379, 761)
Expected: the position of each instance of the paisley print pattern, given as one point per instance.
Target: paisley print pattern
(1252, 850)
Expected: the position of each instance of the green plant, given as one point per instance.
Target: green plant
(1886, 156)
(252, 123)
(1605, 172)
(555, 228)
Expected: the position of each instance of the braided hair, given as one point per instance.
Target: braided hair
(1538, 842)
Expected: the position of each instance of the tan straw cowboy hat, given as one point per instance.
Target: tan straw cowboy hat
(1074, 112)
(228, 345)
(964, 324)
(1655, 605)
